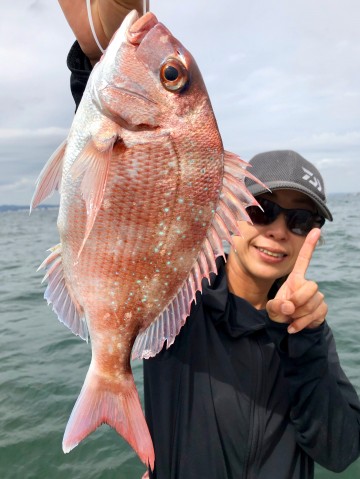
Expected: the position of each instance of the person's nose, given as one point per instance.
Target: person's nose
(278, 229)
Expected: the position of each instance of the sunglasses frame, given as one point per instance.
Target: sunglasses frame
(263, 217)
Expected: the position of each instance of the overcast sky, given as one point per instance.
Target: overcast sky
(281, 74)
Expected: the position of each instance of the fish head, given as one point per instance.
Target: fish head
(147, 77)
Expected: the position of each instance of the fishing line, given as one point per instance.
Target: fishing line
(146, 7)
(88, 6)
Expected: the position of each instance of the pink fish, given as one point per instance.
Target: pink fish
(147, 196)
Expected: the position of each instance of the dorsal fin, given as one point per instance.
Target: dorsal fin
(58, 293)
(234, 198)
(50, 177)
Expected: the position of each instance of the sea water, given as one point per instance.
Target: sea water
(43, 366)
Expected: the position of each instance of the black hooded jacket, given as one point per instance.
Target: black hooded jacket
(236, 396)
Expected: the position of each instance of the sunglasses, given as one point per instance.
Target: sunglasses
(298, 221)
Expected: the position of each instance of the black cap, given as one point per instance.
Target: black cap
(286, 169)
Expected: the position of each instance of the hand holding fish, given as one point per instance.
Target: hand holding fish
(107, 15)
(298, 301)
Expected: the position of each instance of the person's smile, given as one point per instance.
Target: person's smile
(270, 254)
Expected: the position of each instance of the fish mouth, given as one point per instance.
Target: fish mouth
(133, 30)
(140, 27)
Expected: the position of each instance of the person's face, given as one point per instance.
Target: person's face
(269, 252)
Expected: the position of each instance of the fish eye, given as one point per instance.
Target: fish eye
(173, 75)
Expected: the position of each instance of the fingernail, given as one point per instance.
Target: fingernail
(291, 330)
(286, 308)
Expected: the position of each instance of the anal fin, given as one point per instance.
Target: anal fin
(59, 294)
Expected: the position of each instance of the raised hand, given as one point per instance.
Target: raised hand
(107, 16)
(298, 301)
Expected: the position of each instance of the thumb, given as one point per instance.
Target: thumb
(280, 310)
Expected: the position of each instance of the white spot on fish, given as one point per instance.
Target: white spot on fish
(128, 316)
(132, 172)
(106, 204)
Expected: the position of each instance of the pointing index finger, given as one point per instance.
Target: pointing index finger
(306, 252)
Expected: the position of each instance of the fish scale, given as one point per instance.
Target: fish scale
(147, 195)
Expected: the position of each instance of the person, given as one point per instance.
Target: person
(252, 386)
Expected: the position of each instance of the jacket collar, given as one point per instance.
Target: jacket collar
(236, 315)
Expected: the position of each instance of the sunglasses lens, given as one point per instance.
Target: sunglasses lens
(301, 222)
(259, 217)
(265, 216)
(298, 221)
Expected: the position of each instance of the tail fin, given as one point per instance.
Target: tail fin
(102, 402)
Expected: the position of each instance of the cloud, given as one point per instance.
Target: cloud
(280, 74)
(19, 185)
(14, 134)
(23, 153)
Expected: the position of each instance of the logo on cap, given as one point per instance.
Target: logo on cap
(311, 178)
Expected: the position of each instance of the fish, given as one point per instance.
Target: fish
(148, 195)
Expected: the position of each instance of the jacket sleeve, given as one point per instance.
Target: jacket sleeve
(325, 408)
(80, 68)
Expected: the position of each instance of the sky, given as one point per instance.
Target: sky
(280, 75)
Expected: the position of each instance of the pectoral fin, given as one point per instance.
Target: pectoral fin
(93, 164)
